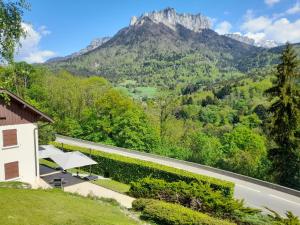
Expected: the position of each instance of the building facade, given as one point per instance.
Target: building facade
(19, 139)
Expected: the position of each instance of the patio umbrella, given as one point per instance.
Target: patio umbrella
(45, 151)
(70, 160)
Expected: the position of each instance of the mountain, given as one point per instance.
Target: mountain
(171, 19)
(241, 38)
(94, 44)
(250, 41)
(166, 48)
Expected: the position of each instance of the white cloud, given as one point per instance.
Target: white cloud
(29, 50)
(271, 2)
(256, 24)
(44, 31)
(38, 56)
(282, 30)
(295, 9)
(263, 28)
(223, 27)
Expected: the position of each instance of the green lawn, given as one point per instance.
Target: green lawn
(54, 207)
(149, 92)
(113, 185)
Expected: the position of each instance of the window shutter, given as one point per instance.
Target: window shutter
(11, 170)
(9, 137)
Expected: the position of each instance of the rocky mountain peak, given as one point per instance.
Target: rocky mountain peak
(171, 18)
(97, 42)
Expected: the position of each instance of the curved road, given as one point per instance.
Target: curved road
(254, 195)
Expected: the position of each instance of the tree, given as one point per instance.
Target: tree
(205, 149)
(17, 77)
(166, 104)
(10, 27)
(285, 119)
(244, 151)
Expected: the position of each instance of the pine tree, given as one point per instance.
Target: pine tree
(285, 120)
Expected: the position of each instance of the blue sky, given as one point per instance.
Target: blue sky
(60, 27)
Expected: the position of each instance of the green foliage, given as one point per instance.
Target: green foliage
(245, 151)
(202, 198)
(15, 184)
(289, 219)
(91, 109)
(285, 120)
(251, 121)
(46, 133)
(206, 149)
(11, 30)
(172, 214)
(126, 170)
(17, 77)
(194, 195)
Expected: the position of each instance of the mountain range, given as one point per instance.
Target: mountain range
(167, 45)
(250, 41)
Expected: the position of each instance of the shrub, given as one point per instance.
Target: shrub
(126, 170)
(200, 197)
(173, 214)
(197, 196)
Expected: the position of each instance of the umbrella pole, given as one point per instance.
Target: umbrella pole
(90, 165)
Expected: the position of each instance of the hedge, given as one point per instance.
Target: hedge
(173, 214)
(192, 195)
(126, 170)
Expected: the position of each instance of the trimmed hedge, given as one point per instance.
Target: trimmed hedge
(126, 170)
(173, 214)
(194, 195)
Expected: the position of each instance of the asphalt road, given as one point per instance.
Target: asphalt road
(254, 195)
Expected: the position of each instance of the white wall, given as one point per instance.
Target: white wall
(24, 152)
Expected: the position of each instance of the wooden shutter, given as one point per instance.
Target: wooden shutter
(11, 170)
(9, 137)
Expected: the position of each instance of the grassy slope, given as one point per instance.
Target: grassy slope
(39, 207)
(113, 185)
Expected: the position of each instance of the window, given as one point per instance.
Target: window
(9, 137)
(11, 170)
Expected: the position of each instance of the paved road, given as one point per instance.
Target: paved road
(254, 195)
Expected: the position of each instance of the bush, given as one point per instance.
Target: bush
(200, 197)
(197, 196)
(173, 214)
(126, 170)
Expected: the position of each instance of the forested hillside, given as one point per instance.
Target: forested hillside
(153, 53)
(221, 124)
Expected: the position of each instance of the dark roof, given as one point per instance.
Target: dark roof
(35, 110)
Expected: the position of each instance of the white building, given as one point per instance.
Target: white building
(19, 139)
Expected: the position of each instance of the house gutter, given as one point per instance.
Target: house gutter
(35, 149)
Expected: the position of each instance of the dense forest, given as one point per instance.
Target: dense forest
(222, 124)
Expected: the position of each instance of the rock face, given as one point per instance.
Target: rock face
(93, 45)
(171, 18)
